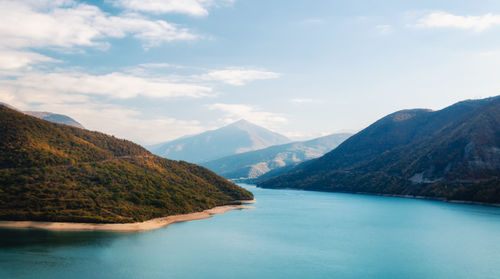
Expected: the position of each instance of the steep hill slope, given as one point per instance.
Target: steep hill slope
(54, 172)
(235, 138)
(453, 153)
(253, 164)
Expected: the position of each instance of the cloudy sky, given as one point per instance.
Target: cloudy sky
(155, 70)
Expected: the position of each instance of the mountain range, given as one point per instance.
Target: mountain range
(253, 164)
(451, 154)
(49, 116)
(56, 118)
(55, 172)
(238, 137)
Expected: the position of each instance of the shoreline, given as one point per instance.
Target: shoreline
(441, 199)
(428, 198)
(152, 224)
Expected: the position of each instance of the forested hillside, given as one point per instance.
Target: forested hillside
(54, 172)
(453, 153)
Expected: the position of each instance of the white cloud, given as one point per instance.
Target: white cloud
(238, 77)
(114, 85)
(74, 95)
(234, 112)
(159, 66)
(443, 19)
(67, 24)
(12, 59)
(48, 4)
(384, 29)
(313, 21)
(304, 100)
(94, 114)
(125, 122)
(190, 7)
(490, 53)
(118, 121)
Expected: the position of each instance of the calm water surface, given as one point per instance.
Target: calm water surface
(291, 234)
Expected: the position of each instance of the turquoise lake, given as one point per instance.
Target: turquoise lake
(291, 234)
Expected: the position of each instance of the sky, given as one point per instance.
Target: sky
(155, 70)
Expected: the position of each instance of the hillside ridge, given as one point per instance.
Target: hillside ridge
(453, 153)
(55, 172)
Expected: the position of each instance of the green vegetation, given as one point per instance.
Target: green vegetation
(451, 154)
(54, 172)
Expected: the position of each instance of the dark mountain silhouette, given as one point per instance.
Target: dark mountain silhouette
(453, 153)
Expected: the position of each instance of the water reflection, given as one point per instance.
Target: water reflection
(45, 240)
(291, 234)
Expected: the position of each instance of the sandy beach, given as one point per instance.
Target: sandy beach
(126, 227)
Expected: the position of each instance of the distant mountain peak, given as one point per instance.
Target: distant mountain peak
(237, 137)
(56, 118)
(243, 121)
(8, 106)
(39, 114)
(49, 116)
(242, 124)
